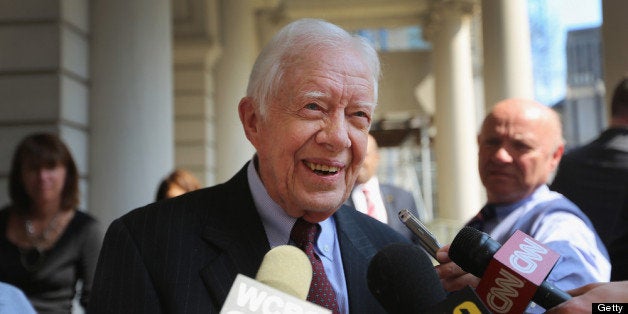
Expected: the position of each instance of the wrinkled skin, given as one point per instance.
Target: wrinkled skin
(318, 119)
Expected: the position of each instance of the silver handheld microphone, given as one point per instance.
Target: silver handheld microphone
(426, 238)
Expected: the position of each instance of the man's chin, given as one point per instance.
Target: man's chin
(503, 196)
(500, 182)
(315, 216)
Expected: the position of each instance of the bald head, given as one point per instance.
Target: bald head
(520, 145)
(515, 110)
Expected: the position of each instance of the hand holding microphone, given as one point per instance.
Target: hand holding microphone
(512, 275)
(585, 296)
(402, 278)
(453, 278)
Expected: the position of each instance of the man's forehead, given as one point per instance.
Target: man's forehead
(519, 129)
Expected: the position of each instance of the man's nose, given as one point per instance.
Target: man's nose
(335, 134)
(503, 155)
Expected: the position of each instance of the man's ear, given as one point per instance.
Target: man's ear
(249, 118)
(557, 155)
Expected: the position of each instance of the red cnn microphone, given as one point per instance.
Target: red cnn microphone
(511, 275)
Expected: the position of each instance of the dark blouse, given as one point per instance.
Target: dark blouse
(49, 282)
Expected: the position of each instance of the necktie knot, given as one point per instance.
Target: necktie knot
(487, 213)
(304, 232)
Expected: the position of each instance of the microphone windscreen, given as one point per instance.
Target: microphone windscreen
(288, 269)
(403, 280)
(472, 250)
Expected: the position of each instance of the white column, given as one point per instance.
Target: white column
(456, 149)
(131, 104)
(507, 52)
(231, 76)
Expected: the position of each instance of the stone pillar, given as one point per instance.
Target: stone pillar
(196, 48)
(507, 52)
(131, 104)
(239, 49)
(44, 79)
(194, 108)
(455, 144)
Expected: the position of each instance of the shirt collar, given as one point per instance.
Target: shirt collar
(278, 224)
(503, 210)
(372, 184)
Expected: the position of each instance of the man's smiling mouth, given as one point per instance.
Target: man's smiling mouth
(322, 169)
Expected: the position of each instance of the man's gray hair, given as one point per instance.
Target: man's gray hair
(292, 43)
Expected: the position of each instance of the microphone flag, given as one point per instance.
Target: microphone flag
(514, 274)
(250, 296)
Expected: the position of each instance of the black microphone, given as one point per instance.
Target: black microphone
(473, 250)
(403, 280)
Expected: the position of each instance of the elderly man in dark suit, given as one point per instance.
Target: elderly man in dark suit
(380, 200)
(595, 177)
(308, 109)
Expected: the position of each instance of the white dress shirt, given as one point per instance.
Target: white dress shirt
(375, 196)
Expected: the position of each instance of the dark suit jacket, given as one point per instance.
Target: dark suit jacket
(182, 255)
(595, 177)
(396, 199)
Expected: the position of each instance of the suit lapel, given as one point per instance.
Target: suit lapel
(389, 203)
(356, 250)
(235, 236)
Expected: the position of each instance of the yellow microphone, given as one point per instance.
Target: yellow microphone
(286, 268)
(280, 286)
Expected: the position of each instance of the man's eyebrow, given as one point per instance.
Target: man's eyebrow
(366, 103)
(322, 95)
(315, 94)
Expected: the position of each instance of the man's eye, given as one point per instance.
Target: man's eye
(492, 142)
(361, 114)
(312, 106)
(522, 146)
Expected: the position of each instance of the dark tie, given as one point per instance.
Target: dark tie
(479, 221)
(304, 234)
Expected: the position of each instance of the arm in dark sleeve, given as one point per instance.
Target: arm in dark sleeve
(89, 258)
